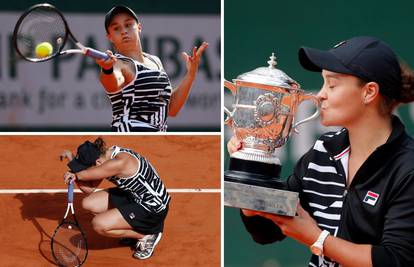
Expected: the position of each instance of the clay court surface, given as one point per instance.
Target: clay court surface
(192, 229)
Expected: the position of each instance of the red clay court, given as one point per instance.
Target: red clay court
(189, 166)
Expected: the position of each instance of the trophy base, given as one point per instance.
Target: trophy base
(260, 198)
(254, 173)
(256, 186)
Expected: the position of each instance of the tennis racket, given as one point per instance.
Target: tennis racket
(69, 247)
(45, 24)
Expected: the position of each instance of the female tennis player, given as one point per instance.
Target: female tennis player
(355, 185)
(136, 83)
(136, 208)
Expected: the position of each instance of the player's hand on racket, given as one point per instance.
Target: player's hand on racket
(109, 63)
(66, 154)
(69, 177)
(234, 145)
(192, 61)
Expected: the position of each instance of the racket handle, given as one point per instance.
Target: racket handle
(70, 192)
(96, 53)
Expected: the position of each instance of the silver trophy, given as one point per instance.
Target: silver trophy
(265, 102)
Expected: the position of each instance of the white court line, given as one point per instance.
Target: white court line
(52, 191)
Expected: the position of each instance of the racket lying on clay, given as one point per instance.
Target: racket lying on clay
(69, 247)
(41, 33)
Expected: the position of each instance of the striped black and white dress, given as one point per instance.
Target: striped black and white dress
(145, 186)
(142, 105)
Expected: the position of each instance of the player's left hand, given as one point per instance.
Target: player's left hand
(234, 145)
(69, 177)
(66, 154)
(301, 227)
(193, 61)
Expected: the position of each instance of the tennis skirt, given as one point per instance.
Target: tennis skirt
(141, 220)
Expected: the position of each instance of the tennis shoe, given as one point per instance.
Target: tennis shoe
(145, 246)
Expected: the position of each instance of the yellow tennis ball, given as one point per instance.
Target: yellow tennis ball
(44, 49)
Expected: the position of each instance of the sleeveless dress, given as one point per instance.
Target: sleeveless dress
(142, 105)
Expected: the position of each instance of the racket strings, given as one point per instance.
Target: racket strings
(40, 25)
(69, 245)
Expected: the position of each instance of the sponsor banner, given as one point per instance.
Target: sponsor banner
(66, 91)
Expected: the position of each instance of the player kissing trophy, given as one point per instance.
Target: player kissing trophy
(265, 102)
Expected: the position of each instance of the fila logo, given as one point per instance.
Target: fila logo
(132, 215)
(371, 198)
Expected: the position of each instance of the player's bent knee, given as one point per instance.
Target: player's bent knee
(85, 203)
(88, 204)
(100, 225)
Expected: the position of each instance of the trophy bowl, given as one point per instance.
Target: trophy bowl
(263, 117)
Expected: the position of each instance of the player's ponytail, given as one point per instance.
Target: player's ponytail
(100, 144)
(405, 93)
(407, 84)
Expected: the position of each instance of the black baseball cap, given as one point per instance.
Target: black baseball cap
(86, 156)
(117, 10)
(365, 57)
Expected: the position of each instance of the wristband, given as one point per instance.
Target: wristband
(107, 71)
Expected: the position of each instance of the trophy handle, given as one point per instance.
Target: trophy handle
(233, 88)
(317, 103)
(229, 119)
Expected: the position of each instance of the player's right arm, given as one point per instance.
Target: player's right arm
(111, 75)
(88, 187)
(113, 167)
